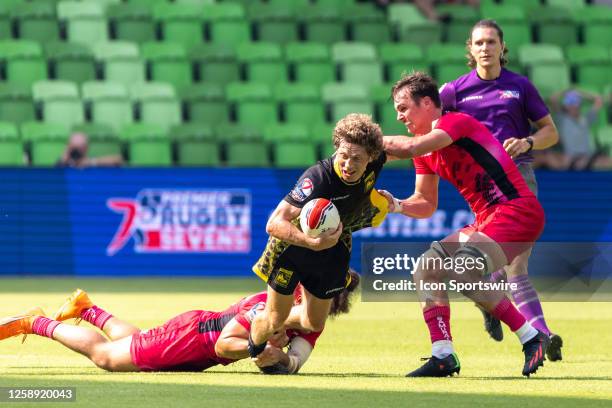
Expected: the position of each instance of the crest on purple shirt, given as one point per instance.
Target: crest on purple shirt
(509, 94)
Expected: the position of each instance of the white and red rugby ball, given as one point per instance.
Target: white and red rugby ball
(319, 215)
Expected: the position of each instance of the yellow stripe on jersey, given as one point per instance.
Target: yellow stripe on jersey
(381, 203)
(259, 273)
(338, 172)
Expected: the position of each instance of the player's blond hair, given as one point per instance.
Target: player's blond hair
(359, 129)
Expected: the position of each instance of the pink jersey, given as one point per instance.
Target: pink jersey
(475, 163)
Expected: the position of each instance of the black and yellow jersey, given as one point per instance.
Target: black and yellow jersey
(359, 205)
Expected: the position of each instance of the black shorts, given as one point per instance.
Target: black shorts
(322, 273)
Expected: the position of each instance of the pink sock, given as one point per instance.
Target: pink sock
(507, 313)
(438, 322)
(96, 316)
(44, 326)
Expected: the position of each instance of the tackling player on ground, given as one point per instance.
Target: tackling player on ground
(320, 264)
(509, 217)
(192, 341)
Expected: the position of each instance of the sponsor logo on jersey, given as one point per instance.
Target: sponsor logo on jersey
(472, 98)
(184, 221)
(302, 190)
(334, 290)
(341, 197)
(508, 94)
(283, 277)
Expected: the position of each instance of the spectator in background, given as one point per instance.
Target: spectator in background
(75, 154)
(428, 7)
(578, 150)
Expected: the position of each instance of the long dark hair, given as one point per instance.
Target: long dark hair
(341, 303)
(468, 43)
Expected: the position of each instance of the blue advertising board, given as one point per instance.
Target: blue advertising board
(211, 222)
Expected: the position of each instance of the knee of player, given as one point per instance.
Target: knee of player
(312, 324)
(102, 360)
(470, 262)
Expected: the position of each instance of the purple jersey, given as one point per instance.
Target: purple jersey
(504, 105)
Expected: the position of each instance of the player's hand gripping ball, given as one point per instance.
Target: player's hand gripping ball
(319, 215)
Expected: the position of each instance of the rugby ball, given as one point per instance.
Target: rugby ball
(319, 215)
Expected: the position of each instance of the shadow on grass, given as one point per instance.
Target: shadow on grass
(116, 393)
(132, 285)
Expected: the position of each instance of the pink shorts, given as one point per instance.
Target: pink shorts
(514, 225)
(175, 346)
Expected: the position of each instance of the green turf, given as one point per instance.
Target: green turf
(359, 361)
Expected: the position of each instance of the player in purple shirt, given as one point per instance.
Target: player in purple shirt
(508, 105)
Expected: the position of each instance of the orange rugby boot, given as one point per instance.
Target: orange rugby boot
(74, 305)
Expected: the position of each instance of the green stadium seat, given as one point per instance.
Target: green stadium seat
(274, 22)
(102, 139)
(16, 103)
(215, 63)
(385, 112)
(109, 104)
(357, 63)
(463, 18)
(448, 61)
(411, 26)
(604, 139)
(147, 3)
(515, 35)
(245, 146)
(300, 103)
(60, 102)
(286, 132)
(296, 5)
(262, 62)
(11, 148)
(23, 62)
(131, 22)
(294, 154)
(157, 104)
(554, 25)
(180, 23)
(36, 21)
(85, 21)
(148, 145)
(6, 8)
(310, 62)
(399, 58)
(231, 132)
(205, 103)
(323, 23)
(47, 141)
(549, 78)
(367, 23)
(344, 98)
(196, 145)
(195, 2)
(504, 13)
(226, 23)
(592, 64)
(121, 62)
(167, 62)
(599, 32)
(569, 5)
(531, 54)
(253, 104)
(321, 136)
(71, 62)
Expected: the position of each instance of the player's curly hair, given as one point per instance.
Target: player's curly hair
(468, 43)
(359, 129)
(419, 85)
(341, 303)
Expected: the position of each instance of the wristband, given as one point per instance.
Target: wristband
(530, 141)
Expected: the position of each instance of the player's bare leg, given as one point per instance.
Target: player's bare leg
(108, 355)
(272, 319)
(312, 315)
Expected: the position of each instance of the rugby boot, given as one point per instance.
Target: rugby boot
(22, 324)
(492, 325)
(74, 305)
(438, 367)
(553, 352)
(534, 351)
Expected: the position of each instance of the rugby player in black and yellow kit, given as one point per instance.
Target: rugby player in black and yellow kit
(321, 264)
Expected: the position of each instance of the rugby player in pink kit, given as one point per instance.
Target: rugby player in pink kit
(192, 341)
(509, 218)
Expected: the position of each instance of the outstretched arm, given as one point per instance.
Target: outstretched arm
(298, 353)
(422, 203)
(232, 343)
(404, 147)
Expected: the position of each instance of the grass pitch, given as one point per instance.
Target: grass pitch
(359, 361)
